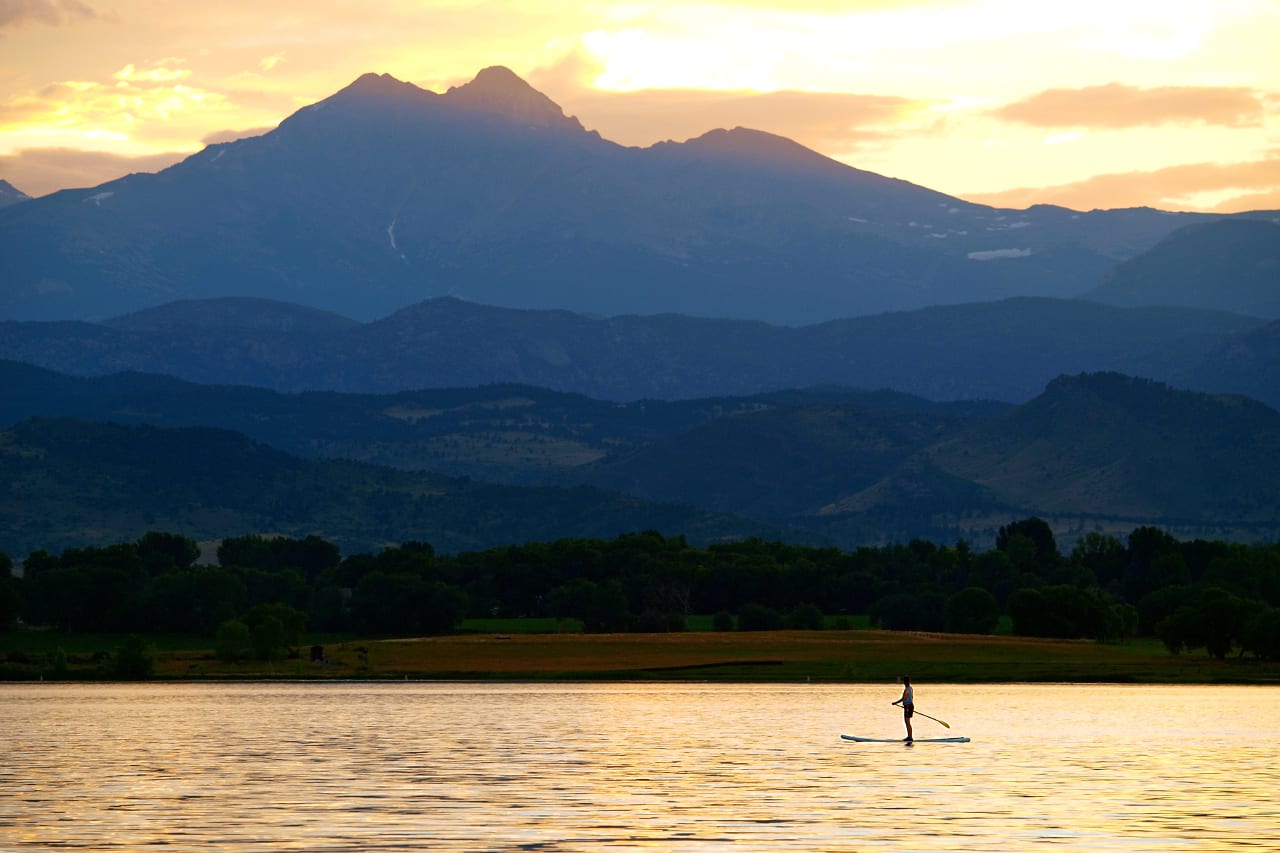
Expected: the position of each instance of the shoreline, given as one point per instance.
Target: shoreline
(854, 656)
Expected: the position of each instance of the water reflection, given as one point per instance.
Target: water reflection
(568, 767)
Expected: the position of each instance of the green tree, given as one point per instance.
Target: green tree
(972, 610)
(1222, 619)
(10, 605)
(1260, 635)
(167, 552)
(1146, 546)
(291, 620)
(135, 660)
(1044, 547)
(406, 604)
(84, 598)
(994, 572)
(923, 610)
(1064, 611)
(267, 637)
(757, 617)
(806, 617)
(233, 641)
(1106, 556)
(199, 599)
(609, 611)
(1215, 622)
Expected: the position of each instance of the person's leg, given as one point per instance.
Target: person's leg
(906, 718)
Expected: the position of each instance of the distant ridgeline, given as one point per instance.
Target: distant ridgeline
(1007, 350)
(1196, 594)
(89, 460)
(384, 194)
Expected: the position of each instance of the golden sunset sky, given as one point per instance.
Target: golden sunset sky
(1083, 103)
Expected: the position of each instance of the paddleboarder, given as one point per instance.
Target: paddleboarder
(908, 704)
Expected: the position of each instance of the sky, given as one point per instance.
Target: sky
(1088, 104)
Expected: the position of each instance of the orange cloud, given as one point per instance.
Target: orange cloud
(153, 103)
(1248, 186)
(1116, 105)
(829, 122)
(824, 121)
(53, 13)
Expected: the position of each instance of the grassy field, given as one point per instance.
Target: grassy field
(777, 656)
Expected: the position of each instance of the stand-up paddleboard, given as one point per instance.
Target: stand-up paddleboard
(900, 740)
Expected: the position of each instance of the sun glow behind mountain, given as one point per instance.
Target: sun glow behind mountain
(1089, 104)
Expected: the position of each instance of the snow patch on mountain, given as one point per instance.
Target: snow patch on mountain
(997, 254)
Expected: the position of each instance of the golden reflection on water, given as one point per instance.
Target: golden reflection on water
(569, 767)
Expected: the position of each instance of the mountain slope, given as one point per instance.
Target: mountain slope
(384, 194)
(1006, 350)
(1231, 264)
(1247, 363)
(9, 194)
(1106, 444)
(779, 464)
(70, 483)
(501, 433)
(1098, 451)
(232, 314)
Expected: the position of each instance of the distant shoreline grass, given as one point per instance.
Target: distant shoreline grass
(850, 656)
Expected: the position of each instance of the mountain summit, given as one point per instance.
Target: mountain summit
(499, 90)
(9, 194)
(385, 194)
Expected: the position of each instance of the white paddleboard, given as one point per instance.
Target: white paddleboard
(900, 740)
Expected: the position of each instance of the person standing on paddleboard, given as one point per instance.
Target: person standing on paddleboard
(908, 704)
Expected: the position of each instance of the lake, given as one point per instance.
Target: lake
(665, 767)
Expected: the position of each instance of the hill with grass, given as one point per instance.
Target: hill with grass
(69, 483)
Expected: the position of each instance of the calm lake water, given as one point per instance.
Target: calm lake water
(567, 767)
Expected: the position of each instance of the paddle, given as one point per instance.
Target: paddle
(927, 717)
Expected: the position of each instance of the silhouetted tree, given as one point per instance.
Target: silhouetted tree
(973, 610)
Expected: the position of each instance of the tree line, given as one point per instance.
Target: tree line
(264, 592)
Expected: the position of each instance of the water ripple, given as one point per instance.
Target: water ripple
(483, 767)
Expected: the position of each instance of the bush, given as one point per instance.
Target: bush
(757, 617)
(722, 621)
(904, 611)
(806, 617)
(657, 622)
(233, 641)
(1261, 634)
(135, 660)
(268, 638)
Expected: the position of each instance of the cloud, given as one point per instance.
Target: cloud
(14, 13)
(830, 122)
(40, 171)
(1116, 105)
(1253, 185)
(160, 72)
(825, 121)
(140, 103)
(220, 136)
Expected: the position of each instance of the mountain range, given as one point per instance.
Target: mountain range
(1007, 350)
(384, 195)
(466, 318)
(1091, 452)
